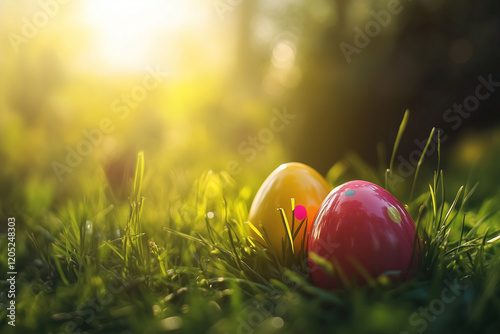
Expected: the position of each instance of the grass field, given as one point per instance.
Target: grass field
(134, 136)
(174, 256)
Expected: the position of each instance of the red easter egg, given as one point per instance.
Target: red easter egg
(363, 231)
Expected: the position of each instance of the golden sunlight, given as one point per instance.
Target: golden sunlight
(127, 34)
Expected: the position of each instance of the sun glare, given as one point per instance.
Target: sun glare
(127, 33)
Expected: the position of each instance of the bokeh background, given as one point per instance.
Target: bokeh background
(225, 69)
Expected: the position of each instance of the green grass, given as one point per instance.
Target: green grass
(178, 259)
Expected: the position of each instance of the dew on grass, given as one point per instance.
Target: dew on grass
(88, 227)
(171, 323)
(277, 322)
(156, 310)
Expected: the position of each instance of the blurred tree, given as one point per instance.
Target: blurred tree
(426, 56)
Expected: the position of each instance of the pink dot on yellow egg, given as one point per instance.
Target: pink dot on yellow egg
(300, 212)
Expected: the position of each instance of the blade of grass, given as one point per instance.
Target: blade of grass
(255, 229)
(287, 229)
(401, 130)
(434, 204)
(450, 210)
(138, 177)
(230, 234)
(420, 162)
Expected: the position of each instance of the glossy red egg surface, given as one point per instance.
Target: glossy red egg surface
(363, 231)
